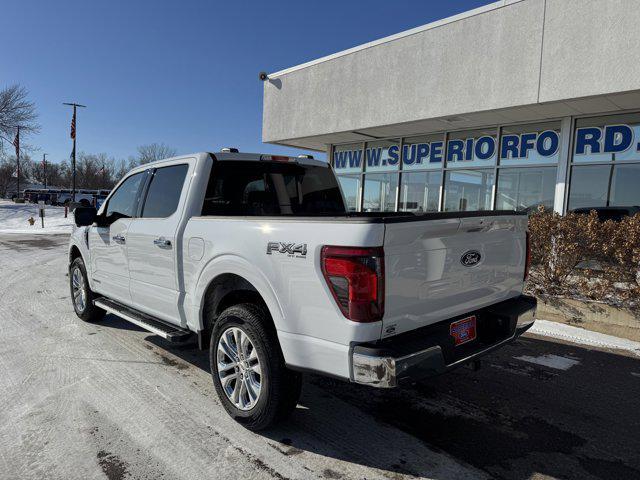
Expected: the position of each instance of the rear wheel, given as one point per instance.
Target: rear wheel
(248, 369)
(81, 295)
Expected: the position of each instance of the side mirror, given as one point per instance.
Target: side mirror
(84, 216)
(103, 220)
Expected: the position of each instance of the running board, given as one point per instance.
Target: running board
(166, 330)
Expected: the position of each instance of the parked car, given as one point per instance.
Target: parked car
(609, 213)
(64, 197)
(86, 197)
(100, 197)
(82, 197)
(256, 257)
(99, 200)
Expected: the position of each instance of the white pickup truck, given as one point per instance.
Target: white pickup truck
(256, 257)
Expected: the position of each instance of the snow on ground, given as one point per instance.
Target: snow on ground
(14, 218)
(583, 337)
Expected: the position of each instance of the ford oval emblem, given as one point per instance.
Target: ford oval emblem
(470, 258)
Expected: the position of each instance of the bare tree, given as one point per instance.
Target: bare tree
(35, 173)
(154, 151)
(8, 173)
(94, 171)
(16, 109)
(56, 175)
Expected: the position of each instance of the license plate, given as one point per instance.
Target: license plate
(464, 330)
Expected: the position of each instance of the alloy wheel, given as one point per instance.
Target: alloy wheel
(239, 368)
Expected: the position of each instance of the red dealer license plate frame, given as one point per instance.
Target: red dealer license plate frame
(464, 330)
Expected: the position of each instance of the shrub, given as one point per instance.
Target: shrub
(579, 256)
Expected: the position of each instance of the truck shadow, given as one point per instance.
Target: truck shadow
(513, 419)
(113, 321)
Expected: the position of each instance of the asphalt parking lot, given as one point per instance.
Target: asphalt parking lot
(110, 400)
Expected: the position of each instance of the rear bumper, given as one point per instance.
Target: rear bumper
(430, 350)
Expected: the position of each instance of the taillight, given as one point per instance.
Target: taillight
(277, 158)
(527, 262)
(355, 277)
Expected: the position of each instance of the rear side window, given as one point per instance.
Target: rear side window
(124, 201)
(238, 188)
(164, 191)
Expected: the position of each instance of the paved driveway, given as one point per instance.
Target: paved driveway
(110, 400)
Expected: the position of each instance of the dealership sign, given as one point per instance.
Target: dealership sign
(606, 140)
(513, 149)
(461, 152)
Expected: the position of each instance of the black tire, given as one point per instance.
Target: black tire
(88, 313)
(280, 387)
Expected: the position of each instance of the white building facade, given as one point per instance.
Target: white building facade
(510, 106)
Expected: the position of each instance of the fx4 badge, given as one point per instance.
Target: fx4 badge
(297, 250)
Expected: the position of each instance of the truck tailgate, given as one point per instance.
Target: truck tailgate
(436, 269)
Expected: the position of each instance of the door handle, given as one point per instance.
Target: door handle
(119, 239)
(162, 242)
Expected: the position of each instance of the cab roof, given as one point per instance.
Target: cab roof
(230, 156)
(257, 157)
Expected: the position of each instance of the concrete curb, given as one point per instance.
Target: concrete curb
(583, 337)
(594, 316)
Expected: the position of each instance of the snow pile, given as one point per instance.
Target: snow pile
(583, 337)
(14, 219)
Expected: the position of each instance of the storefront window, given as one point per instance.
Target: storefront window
(607, 139)
(533, 144)
(513, 170)
(420, 191)
(350, 185)
(525, 188)
(589, 186)
(380, 192)
(423, 153)
(604, 186)
(613, 141)
(348, 158)
(625, 186)
(474, 148)
(382, 156)
(468, 190)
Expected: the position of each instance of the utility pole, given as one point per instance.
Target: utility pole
(16, 143)
(44, 168)
(73, 152)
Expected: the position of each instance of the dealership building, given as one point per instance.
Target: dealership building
(512, 105)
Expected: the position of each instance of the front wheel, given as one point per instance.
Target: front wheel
(81, 295)
(248, 369)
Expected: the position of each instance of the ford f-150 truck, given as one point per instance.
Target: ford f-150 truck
(256, 257)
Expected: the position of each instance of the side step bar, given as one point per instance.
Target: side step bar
(167, 331)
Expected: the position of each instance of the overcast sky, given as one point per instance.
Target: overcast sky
(180, 72)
